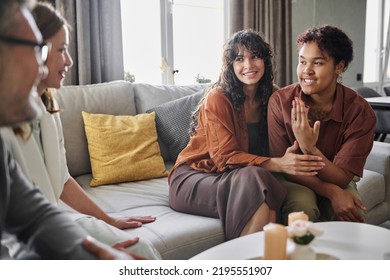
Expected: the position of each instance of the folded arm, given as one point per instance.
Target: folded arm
(345, 205)
(38, 223)
(307, 137)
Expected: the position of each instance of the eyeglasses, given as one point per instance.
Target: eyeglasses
(42, 49)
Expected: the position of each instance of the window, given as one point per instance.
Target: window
(141, 40)
(162, 37)
(371, 51)
(377, 25)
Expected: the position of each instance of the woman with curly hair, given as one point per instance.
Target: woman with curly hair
(225, 172)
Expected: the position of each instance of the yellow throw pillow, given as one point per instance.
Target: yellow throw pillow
(123, 148)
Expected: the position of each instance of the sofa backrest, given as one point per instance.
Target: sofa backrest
(149, 96)
(114, 98)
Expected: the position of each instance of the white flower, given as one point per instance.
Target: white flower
(303, 232)
(298, 228)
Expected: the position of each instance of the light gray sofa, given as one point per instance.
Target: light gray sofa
(175, 235)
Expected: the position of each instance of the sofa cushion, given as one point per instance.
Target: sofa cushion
(123, 148)
(115, 98)
(175, 235)
(149, 96)
(173, 120)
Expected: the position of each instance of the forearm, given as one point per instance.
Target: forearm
(57, 237)
(294, 164)
(331, 173)
(272, 165)
(41, 225)
(317, 185)
(345, 205)
(74, 196)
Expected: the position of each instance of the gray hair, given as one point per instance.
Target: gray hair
(6, 17)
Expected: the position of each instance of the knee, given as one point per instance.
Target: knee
(301, 199)
(311, 210)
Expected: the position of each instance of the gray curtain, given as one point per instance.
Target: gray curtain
(273, 19)
(95, 40)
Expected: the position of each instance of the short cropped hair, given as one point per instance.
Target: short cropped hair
(330, 39)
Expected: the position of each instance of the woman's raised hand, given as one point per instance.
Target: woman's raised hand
(306, 135)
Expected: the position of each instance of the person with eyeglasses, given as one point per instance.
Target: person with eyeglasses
(24, 211)
(41, 49)
(39, 149)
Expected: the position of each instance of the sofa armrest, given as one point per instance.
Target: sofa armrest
(379, 158)
(379, 161)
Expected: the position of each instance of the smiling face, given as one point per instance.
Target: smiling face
(316, 71)
(248, 67)
(58, 60)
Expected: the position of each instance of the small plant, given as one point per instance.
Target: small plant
(202, 80)
(129, 77)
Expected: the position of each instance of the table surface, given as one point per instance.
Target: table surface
(379, 103)
(382, 99)
(341, 240)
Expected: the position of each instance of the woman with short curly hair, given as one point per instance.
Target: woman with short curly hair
(327, 119)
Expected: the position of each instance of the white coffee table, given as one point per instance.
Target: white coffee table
(341, 240)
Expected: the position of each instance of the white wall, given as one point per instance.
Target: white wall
(348, 15)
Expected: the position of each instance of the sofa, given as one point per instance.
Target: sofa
(175, 235)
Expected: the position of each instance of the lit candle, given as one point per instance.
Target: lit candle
(275, 241)
(297, 216)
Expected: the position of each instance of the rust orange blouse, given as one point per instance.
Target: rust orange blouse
(221, 139)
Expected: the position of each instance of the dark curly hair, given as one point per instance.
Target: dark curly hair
(330, 39)
(233, 88)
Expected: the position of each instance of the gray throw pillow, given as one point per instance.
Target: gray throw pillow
(173, 121)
